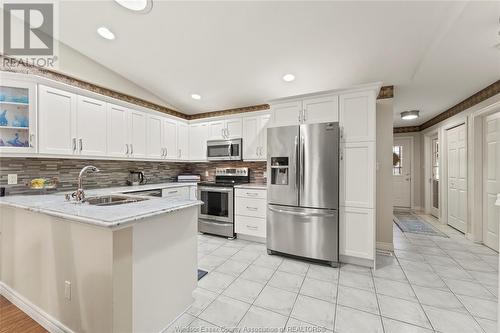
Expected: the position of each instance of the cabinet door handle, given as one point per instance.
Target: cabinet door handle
(300, 116)
(31, 140)
(131, 149)
(250, 194)
(166, 151)
(252, 227)
(257, 151)
(222, 132)
(252, 208)
(304, 115)
(81, 143)
(172, 192)
(179, 153)
(126, 146)
(74, 144)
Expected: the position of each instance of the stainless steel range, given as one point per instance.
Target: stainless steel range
(216, 215)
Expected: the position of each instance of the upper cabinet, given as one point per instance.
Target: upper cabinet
(137, 138)
(255, 137)
(154, 146)
(169, 139)
(91, 126)
(17, 116)
(198, 136)
(225, 129)
(118, 131)
(182, 141)
(305, 111)
(357, 116)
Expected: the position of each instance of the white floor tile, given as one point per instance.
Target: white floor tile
(355, 269)
(244, 290)
(225, 312)
(468, 288)
(202, 298)
(489, 326)
(326, 291)
(439, 299)
(485, 278)
(245, 256)
(397, 289)
(481, 308)
(216, 282)
(232, 267)
(426, 279)
(314, 311)
(457, 273)
(296, 326)
(268, 261)
(210, 262)
(287, 281)
(359, 299)
(325, 273)
(356, 280)
(257, 273)
(353, 321)
(182, 322)
(257, 318)
(403, 310)
(450, 321)
(224, 252)
(394, 326)
(294, 266)
(390, 273)
(277, 300)
(200, 326)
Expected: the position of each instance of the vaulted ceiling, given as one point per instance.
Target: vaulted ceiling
(235, 53)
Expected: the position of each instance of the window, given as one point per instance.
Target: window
(397, 160)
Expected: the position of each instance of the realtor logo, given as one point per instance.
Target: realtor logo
(33, 37)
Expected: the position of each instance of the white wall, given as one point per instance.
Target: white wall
(384, 174)
(79, 66)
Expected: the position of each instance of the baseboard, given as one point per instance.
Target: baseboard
(41, 317)
(385, 246)
(252, 238)
(356, 261)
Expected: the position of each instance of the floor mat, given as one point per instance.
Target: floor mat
(201, 274)
(411, 223)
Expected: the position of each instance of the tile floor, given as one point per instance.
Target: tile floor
(432, 284)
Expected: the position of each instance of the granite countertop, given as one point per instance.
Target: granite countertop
(102, 216)
(260, 186)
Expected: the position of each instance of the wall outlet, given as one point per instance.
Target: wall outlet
(67, 290)
(12, 179)
(206, 173)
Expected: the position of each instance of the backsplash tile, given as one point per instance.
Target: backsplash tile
(113, 173)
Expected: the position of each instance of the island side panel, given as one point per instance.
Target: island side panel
(122, 281)
(164, 268)
(39, 253)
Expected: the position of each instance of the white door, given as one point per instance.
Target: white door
(154, 145)
(137, 132)
(321, 109)
(91, 126)
(57, 121)
(435, 177)
(457, 177)
(401, 172)
(233, 128)
(170, 138)
(182, 141)
(491, 176)
(117, 131)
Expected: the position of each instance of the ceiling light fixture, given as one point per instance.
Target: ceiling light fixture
(410, 115)
(195, 96)
(288, 77)
(106, 33)
(139, 6)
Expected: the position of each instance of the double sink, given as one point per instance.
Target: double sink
(112, 200)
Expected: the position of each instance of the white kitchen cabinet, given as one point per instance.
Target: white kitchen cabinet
(117, 130)
(357, 116)
(357, 233)
(182, 141)
(91, 126)
(57, 121)
(18, 121)
(255, 137)
(250, 212)
(320, 110)
(154, 146)
(193, 193)
(198, 136)
(357, 174)
(225, 129)
(137, 138)
(169, 138)
(180, 193)
(286, 113)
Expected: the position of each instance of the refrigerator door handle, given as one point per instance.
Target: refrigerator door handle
(306, 214)
(297, 162)
(302, 164)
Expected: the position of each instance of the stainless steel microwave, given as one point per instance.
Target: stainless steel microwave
(224, 150)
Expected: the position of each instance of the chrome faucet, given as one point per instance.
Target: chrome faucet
(79, 195)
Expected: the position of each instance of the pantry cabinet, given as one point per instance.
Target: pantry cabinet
(198, 136)
(57, 121)
(255, 137)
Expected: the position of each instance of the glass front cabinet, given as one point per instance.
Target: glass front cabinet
(17, 116)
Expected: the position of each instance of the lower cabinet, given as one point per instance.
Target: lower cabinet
(181, 193)
(357, 232)
(250, 212)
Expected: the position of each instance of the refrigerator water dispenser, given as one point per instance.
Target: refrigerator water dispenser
(279, 170)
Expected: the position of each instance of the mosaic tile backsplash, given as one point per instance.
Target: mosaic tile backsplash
(113, 173)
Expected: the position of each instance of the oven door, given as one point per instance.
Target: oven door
(217, 203)
(224, 150)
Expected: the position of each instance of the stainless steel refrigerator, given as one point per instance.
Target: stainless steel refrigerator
(303, 191)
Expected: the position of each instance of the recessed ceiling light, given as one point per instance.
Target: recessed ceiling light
(142, 6)
(195, 96)
(410, 115)
(106, 33)
(288, 77)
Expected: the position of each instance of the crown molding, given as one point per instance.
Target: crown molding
(227, 112)
(406, 129)
(386, 92)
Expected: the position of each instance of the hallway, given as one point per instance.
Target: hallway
(433, 284)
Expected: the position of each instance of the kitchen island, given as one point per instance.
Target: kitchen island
(127, 267)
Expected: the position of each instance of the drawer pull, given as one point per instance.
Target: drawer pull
(252, 208)
(172, 192)
(252, 227)
(252, 194)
